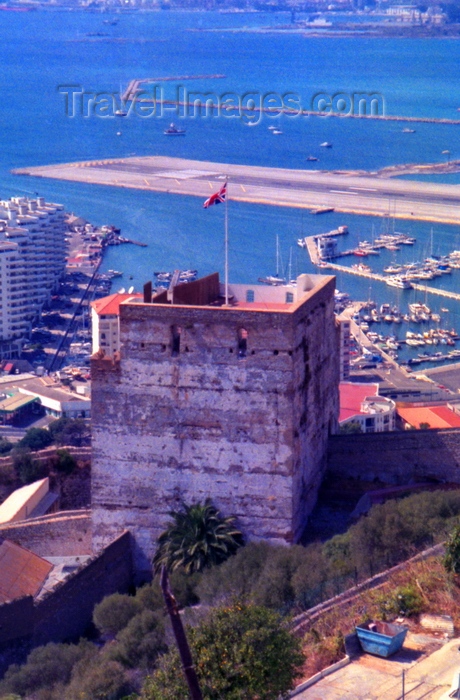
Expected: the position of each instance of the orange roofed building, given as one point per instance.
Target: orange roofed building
(105, 318)
(428, 416)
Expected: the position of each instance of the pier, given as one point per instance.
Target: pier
(304, 189)
(135, 85)
(197, 105)
(381, 278)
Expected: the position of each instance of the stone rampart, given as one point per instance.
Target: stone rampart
(49, 453)
(66, 533)
(398, 457)
(65, 613)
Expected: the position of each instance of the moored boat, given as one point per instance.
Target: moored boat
(173, 130)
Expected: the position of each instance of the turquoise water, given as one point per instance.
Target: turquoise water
(41, 51)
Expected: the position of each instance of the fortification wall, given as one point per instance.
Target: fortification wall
(208, 422)
(66, 533)
(65, 613)
(49, 454)
(397, 458)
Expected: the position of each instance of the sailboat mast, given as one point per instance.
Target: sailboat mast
(226, 244)
(277, 255)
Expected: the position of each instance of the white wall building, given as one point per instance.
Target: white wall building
(105, 320)
(32, 261)
(361, 404)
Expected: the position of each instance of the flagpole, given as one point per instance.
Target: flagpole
(226, 243)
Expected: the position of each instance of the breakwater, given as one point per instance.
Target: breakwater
(197, 105)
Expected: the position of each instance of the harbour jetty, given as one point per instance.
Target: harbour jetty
(381, 278)
(136, 85)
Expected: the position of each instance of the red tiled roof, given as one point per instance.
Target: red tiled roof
(352, 396)
(435, 416)
(21, 572)
(110, 305)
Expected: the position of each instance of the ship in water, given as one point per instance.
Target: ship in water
(174, 130)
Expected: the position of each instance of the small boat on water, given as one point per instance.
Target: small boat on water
(276, 131)
(312, 159)
(173, 130)
(322, 210)
(408, 131)
(184, 276)
(273, 280)
(326, 144)
(398, 282)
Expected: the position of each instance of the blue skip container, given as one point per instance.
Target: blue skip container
(381, 638)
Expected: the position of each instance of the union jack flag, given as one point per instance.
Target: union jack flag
(217, 197)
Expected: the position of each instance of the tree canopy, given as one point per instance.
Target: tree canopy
(240, 652)
(198, 537)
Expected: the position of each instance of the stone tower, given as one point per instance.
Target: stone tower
(233, 402)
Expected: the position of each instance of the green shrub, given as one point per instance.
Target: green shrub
(139, 644)
(113, 613)
(240, 652)
(409, 600)
(452, 553)
(405, 600)
(27, 468)
(5, 446)
(69, 431)
(8, 474)
(45, 667)
(66, 463)
(100, 679)
(36, 439)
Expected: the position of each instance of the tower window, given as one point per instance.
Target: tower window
(250, 295)
(289, 297)
(242, 342)
(175, 340)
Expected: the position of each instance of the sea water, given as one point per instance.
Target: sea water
(43, 52)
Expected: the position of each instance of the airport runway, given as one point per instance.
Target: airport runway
(309, 189)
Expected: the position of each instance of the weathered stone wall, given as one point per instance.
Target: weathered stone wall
(249, 432)
(397, 458)
(65, 613)
(66, 533)
(48, 455)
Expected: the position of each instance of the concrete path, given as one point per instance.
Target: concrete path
(427, 677)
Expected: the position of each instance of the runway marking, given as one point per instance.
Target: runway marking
(365, 189)
(244, 190)
(147, 182)
(355, 194)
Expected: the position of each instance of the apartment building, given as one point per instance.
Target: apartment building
(32, 261)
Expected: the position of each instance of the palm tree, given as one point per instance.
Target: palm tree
(198, 537)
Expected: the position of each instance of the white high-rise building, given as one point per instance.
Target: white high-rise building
(32, 261)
